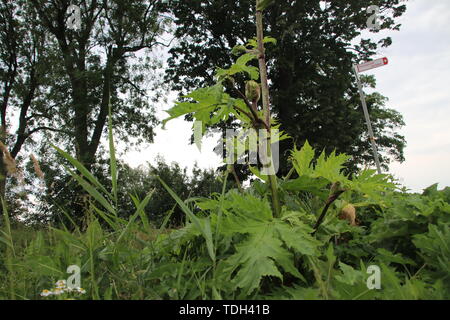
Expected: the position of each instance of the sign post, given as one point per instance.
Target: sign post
(360, 68)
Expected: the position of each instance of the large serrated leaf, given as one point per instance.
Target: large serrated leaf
(330, 167)
(299, 238)
(301, 159)
(315, 186)
(240, 67)
(255, 258)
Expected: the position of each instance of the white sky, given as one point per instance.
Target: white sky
(417, 82)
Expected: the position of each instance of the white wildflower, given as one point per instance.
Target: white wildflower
(81, 290)
(58, 291)
(46, 293)
(60, 284)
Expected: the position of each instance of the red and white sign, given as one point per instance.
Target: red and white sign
(372, 64)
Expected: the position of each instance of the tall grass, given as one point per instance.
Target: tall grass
(113, 253)
(7, 239)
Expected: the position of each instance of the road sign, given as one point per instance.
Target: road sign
(372, 64)
(357, 69)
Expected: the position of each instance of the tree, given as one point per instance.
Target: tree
(97, 65)
(314, 95)
(102, 63)
(23, 60)
(61, 81)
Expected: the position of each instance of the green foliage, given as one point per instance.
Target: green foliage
(316, 173)
(434, 248)
(212, 105)
(240, 67)
(58, 84)
(232, 247)
(207, 100)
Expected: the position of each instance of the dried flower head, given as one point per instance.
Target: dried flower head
(37, 167)
(348, 213)
(11, 166)
(8, 160)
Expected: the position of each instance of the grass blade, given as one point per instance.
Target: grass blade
(205, 230)
(140, 209)
(82, 169)
(112, 154)
(142, 213)
(92, 191)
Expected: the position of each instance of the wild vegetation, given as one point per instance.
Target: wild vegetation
(313, 231)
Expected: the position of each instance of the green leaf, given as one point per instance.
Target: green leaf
(349, 275)
(112, 155)
(238, 50)
(315, 186)
(330, 167)
(299, 238)
(301, 159)
(139, 211)
(248, 207)
(105, 216)
(92, 191)
(142, 213)
(270, 40)
(369, 183)
(256, 172)
(208, 100)
(204, 227)
(264, 250)
(240, 67)
(434, 247)
(85, 172)
(256, 258)
(300, 293)
(387, 256)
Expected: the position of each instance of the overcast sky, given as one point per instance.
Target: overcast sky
(416, 81)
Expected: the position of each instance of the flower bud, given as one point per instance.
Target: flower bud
(252, 91)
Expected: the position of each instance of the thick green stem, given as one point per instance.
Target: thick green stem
(266, 106)
(275, 199)
(263, 67)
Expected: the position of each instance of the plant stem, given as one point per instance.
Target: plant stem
(263, 67)
(232, 170)
(266, 106)
(288, 176)
(330, 200)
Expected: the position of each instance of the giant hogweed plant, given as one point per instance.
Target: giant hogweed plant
(225, 100)
(256, 236)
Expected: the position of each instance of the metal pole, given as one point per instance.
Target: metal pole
(369, 124)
